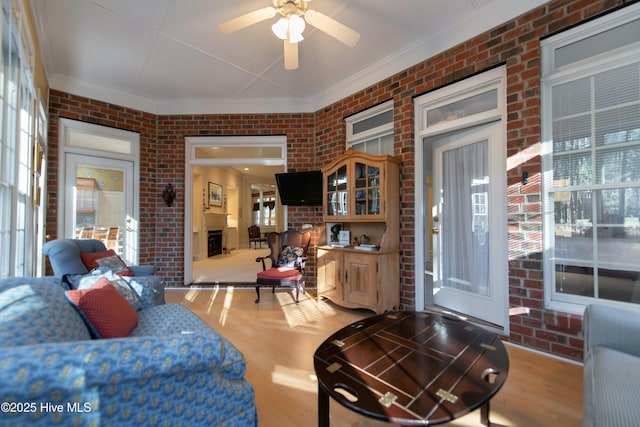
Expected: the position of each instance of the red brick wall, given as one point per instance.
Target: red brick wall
(172, 131)
(162, 152)
(516, 44)
(315, 139)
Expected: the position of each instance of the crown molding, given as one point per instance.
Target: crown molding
(102, 93)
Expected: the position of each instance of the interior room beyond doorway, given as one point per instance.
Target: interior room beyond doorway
(232, 187)
(221, 248)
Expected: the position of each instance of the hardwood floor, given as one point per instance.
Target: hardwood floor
(278, 339)
(238, 266)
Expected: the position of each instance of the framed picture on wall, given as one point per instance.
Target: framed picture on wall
(215, 194)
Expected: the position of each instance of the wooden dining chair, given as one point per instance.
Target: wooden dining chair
(255, 236)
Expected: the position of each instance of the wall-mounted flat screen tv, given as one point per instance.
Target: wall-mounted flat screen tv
(300, 188)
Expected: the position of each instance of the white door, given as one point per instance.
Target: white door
(100, 202)
(468, 223)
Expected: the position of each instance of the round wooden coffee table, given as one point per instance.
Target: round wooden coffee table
(410, 368)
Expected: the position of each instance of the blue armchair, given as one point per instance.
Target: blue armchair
(611, 389)
(64, 256)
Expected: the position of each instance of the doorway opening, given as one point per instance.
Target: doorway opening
(99, 186)
(230, 185)
(461, 223)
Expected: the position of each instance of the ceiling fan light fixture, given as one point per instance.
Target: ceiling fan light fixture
(289, 28)
(280, 28)
(296, 27)
(295, 38)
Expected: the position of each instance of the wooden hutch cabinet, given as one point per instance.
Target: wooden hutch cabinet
(362, 196)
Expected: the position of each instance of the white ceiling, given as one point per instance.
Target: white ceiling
(168, 57)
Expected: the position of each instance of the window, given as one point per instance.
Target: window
(264, 206)
(371, 131)
(591, 162)
(19, 149)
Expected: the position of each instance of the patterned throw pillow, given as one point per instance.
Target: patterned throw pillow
(86, 281)
(105, 310)
(143, 288)
(116, 264)
(290, 255)
(108, 259)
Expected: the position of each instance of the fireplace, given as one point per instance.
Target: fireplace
(214, 242)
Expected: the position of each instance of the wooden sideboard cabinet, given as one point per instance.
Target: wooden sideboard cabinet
(330, 267)
(355, 279)
(362, 195)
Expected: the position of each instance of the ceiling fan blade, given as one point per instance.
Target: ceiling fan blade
(290, 55)
(332, 27)
(245, 20)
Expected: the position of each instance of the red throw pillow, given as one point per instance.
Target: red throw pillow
(107, 311)
(92, 260)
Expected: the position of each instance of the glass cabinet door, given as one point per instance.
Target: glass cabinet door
(367, 189)
(337, 192)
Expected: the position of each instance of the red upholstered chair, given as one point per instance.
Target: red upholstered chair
(288, 256)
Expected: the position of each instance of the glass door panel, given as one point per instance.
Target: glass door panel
(102, 209)
(337, 192)
(469, 263)
(332, 199)
(367, 194)
(465, 226)
(361, 188)
(373, 183)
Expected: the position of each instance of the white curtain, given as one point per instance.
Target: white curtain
(465, 222)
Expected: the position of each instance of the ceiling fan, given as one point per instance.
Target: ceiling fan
(289, 28)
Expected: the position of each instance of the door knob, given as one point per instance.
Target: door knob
(435, 230)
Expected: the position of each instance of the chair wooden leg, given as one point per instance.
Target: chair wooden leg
(299, 287)
(258, 293)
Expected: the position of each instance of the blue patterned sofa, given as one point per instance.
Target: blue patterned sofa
(172, 369)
